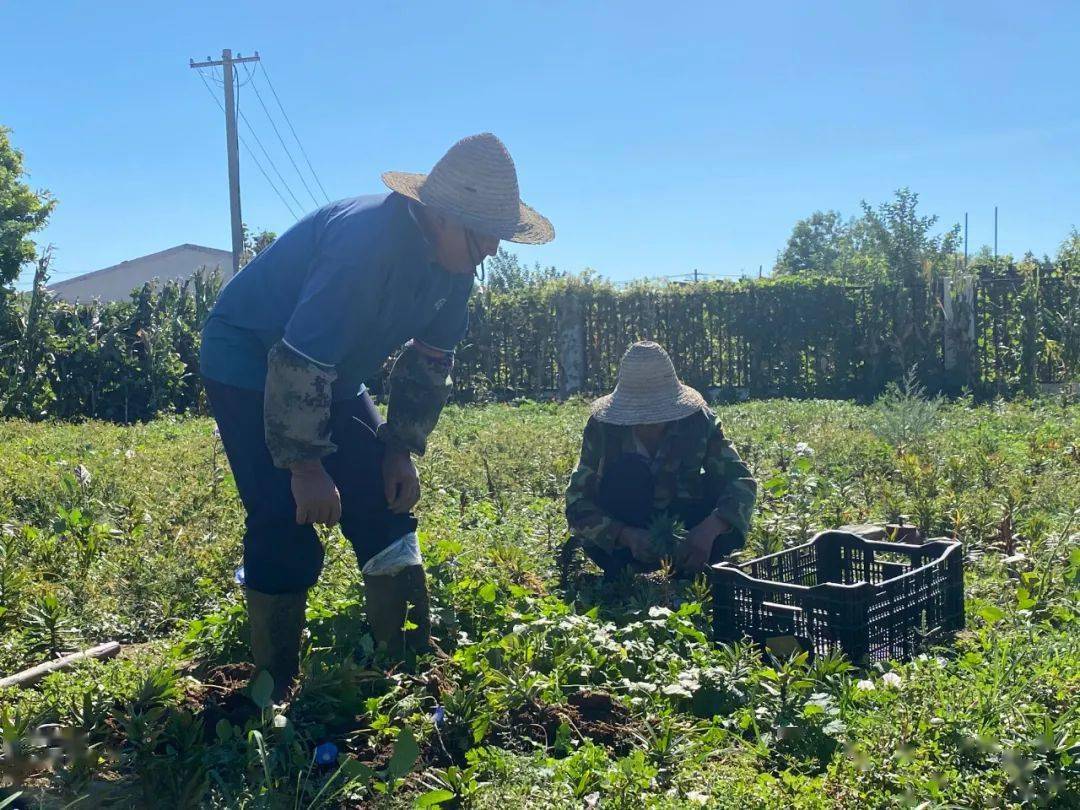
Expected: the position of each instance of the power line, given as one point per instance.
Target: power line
(281, 140)
(266, 154)
(269, 159)
(281, 107)
(251, 154)
(220, 80)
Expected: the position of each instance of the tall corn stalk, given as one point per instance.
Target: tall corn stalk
(25, 383)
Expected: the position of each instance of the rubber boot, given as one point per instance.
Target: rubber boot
(276, 622)
(387, 598)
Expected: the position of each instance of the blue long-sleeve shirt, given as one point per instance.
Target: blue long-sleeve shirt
(344, 287)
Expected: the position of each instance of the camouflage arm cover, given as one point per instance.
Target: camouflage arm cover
(419, 387)
(738, 489)
(296, 407)
(586, 519)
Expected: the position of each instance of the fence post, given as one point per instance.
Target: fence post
(958, 302)
(570, 342)
(950, 341)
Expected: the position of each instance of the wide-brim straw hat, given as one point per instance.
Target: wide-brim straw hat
(648, 390)
(476, 183)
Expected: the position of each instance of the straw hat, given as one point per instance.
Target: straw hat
(647, 390)
(476, 183)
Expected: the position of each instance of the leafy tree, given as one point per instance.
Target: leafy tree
(816, 246)
(904, 240)
(22, 211)
(255, 242)
(504, 272)
(890, 242)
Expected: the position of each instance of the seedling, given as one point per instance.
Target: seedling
(667, 534)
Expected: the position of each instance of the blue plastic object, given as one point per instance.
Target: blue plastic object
(326, 754)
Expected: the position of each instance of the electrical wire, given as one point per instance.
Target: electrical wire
(292, 129)
(240, 114)
(251, 154)
(219, 80)
(288, 153)
(266, 154)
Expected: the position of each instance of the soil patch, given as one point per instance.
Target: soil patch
(604, 720)
(589, 715)
(222, 695)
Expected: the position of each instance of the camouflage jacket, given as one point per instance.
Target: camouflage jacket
(298, 395)
(694, 461)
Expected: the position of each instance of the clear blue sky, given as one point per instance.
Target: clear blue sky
(657, 137)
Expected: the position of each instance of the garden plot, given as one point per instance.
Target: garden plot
(544, 693)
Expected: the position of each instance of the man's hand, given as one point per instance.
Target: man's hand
(317, 498)
(401, 483)
(639, 543)
(697, 547)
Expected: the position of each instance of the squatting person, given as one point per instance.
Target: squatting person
(653, 448)
(284, 356)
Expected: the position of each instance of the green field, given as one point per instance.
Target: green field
(550, 694)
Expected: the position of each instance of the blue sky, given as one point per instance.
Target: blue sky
(657, 137)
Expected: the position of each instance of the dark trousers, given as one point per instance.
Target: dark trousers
(281, 556)
(626, 494)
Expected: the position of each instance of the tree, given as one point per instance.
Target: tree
(255, 242)
(22, 211)
(816, 246)
(504, 272)
(890, 242)
(904, 241)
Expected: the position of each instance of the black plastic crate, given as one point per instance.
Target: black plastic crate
(873, 599)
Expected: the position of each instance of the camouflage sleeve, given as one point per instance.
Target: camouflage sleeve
(735, 487)
(296, 407)
(586, 519)
(419, 387)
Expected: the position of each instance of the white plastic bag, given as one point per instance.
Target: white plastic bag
(402, 553)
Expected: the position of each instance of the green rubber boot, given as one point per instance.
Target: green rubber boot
(277, 622)
(387, 598)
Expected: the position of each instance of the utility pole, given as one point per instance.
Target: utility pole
(995, 238)
(226, 64)
(965, 241)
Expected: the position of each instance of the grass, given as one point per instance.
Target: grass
(548, 696)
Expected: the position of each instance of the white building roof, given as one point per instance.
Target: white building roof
(116, 282)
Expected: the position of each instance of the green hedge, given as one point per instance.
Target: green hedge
(790, 337)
